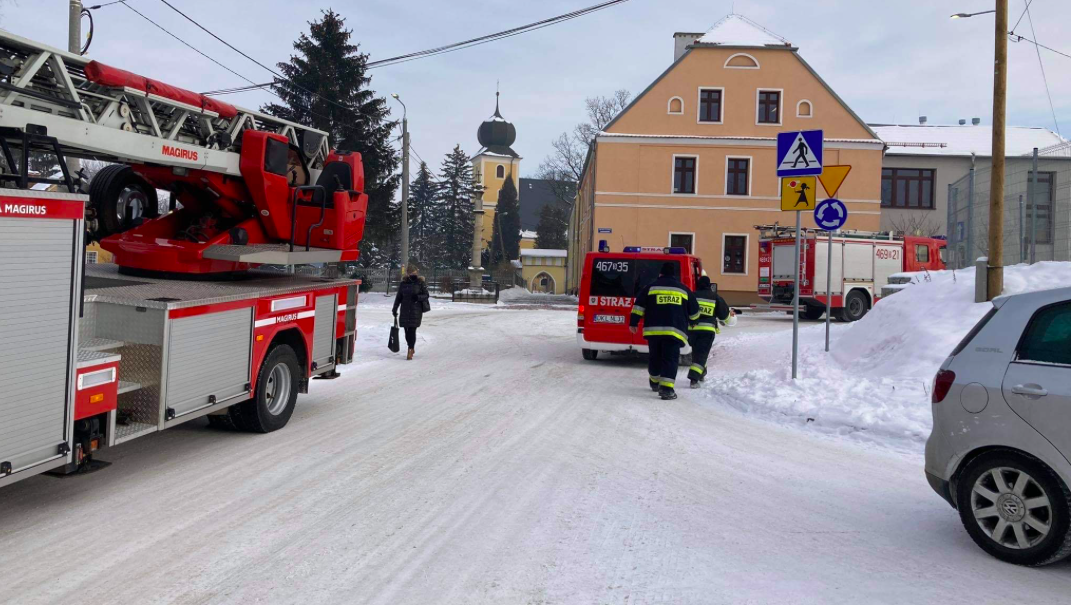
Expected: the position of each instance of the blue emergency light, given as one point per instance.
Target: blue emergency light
(653, 250)
(632, 249)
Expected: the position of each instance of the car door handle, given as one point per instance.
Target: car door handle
(1029, 390)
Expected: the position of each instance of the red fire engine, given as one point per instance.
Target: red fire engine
(96, 356)
(862, 264)
(608, 286)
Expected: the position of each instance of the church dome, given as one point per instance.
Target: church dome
(496, 134)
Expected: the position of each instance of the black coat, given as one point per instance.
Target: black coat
(409, 302)
(666, 307)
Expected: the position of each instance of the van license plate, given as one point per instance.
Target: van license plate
(609, 319)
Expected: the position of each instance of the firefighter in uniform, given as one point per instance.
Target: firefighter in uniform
(712, 310)
(666, 308)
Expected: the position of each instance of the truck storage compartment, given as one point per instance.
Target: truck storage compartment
(208, 359)
(38, 280)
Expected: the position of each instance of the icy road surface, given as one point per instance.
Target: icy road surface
(499, 467)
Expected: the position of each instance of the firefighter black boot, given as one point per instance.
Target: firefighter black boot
(694, 384)
(667, 393)
(654, 385)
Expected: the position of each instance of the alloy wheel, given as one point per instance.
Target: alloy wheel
(1011, 507)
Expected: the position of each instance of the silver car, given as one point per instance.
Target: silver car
(1001, 435)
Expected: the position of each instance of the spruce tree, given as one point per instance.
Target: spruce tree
(327, 87)
(552, 228)
(506, 233)
(458, 186)
(423, 207)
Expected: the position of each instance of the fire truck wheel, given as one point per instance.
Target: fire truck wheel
(114, 190)
(813, 313)
(589, 354)
(276, 393)
(855, 307)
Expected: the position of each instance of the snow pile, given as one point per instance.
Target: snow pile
(874, 384)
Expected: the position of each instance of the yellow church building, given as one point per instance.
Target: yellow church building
(495, 162)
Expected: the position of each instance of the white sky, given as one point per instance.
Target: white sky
(890, 60)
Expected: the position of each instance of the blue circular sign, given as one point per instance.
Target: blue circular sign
(830, 214)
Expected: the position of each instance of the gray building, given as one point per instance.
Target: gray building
(922, 162)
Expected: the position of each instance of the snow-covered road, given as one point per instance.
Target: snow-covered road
(499, 467)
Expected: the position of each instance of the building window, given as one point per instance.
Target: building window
(769, 107)
(682, 240)
(741, 61)
(676, 106)
(922, 253)
(804, 109)
(1043, 199)
(684, 174)
(907, 188)
(734, 259)
(710, 104)
(736, 176)
(91, 257)
(500, 172)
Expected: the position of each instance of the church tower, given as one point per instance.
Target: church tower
(495, 162)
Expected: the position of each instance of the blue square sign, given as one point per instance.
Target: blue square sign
(799, 153)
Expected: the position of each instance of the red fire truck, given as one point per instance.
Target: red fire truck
(862, 264)
(202, 315)
(608, 286)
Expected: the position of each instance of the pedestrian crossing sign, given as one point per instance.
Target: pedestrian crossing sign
(799, 153)
(797, 193)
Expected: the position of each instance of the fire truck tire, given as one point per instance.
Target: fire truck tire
(589, 354)
(813, 313)
(111, 189)
(855, 307)
(275, 395)
(222, 421)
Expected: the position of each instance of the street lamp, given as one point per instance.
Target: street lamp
(995, 254)
(405, 183)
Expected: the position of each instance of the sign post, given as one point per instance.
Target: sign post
(831, 215)
(799, 160)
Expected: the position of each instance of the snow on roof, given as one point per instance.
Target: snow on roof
(962, 140)
(545, 252)
(738, 30)
(528, 234)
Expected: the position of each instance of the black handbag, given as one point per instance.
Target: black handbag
(392, 342)
(425, 305)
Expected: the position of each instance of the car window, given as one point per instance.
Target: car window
(613, 277)
(1047, 338)
(974, 331)
(922, 253)
(647, 271)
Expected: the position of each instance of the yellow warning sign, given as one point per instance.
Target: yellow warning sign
(797, 193)
(832, 177)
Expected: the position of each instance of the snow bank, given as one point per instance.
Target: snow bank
(874, 384)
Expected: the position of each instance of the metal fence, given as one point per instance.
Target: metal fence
(1037, 212)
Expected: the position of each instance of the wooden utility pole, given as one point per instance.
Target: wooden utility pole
(995, 272)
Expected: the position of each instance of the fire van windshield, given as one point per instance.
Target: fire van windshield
(622, 277)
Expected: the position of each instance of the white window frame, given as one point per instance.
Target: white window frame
(669, 239)
(673, 172)
(801, 102)
(747, 254)
(750, 172)
(731, 57)
(780, 106)
(699, 104)
(669, 107)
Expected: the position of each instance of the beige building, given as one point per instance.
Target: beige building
(692, 161)
(543, 270)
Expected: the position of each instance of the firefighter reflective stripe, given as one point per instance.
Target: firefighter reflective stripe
(704, 327)
(637, 310)
(697, 368)
(706, 307)
(695, 317)
(669, 290)
(654, 379)
(668, 295)
(666, 382)
(665, 331)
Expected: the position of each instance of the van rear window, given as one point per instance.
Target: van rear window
(622, 276)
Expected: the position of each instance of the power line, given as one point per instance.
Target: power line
(1021, 15)
(1030, 20)
(1019, 38)
(456, 45)
(95, 7)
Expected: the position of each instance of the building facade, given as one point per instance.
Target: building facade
(923, 161)
(495, 162)
(543, 270)
(692, 161)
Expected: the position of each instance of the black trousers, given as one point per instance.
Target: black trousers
(410, 337)
(701, 342)
(664, 353)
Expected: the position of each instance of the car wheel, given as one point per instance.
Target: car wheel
(589, 354)
(855, 307)
(276, 393)
(1015, 508)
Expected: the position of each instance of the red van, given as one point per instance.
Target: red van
(608, 286)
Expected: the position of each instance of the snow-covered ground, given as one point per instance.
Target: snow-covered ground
(874, 384)
(500, 467)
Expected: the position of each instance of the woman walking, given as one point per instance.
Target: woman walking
(411, 301)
